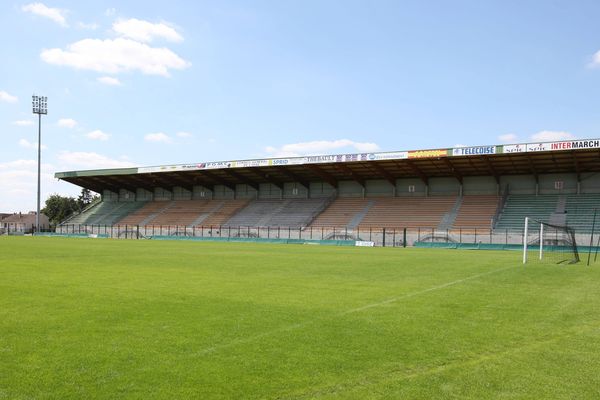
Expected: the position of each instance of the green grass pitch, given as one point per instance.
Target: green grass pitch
(112, 319)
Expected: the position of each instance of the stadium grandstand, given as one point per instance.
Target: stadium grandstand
(478, 194)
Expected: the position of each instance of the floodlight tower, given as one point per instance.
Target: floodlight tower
(40, 106)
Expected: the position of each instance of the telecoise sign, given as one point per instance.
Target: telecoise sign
(473, 151)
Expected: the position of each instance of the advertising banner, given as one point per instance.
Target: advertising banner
(319, 159)
(218, 165)
(250, 163)
(552, 146)
(575, 144)
(161, 168)
(538, 147)
(393, 155)
(514, 148)
(473, 151)
(428, 153)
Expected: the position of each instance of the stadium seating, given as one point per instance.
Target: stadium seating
(284, 213)
(220, 213)
(106, 213)
(580, 211)
(144, 214)
(341, 212)
(386, 212)
(470, 211)
(476, 211)
(407, 212)
(519, 206)
(184, 213)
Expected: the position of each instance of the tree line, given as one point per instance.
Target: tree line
(58, 208)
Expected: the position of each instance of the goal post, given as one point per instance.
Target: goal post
(525, 235)
(549, 243)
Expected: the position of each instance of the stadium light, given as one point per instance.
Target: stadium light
(40, 106)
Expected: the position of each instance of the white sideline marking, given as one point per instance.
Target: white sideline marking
(354, 310)
(431, 289)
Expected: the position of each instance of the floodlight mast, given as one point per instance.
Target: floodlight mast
(40, 106)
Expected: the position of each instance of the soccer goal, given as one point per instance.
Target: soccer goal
(547, 243)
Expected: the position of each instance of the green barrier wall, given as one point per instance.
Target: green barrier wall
(468, 246)
(258, 240)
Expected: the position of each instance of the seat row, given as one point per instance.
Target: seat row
(469, 211)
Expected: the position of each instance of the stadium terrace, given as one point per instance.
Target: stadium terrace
(483, 188)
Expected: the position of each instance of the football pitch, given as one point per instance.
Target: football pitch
(112, 319)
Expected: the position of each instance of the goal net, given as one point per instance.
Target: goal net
(547, 243)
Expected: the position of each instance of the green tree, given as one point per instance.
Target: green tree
(58, 208)
(85, 198)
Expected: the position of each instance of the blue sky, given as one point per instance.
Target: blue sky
(149, 82)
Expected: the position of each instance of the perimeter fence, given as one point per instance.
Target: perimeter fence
(385, 237)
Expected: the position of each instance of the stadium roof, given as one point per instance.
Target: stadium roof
(573, 156)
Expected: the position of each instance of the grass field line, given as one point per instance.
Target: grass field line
(380, 377)
(420, 292)
(299, 325)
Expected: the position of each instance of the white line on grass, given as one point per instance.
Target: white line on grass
(351, 311)
(395, 375)
(413, 294)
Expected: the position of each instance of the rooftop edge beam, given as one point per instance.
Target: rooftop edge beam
(265, 175)
(235, 175)
(354, 175)
(294, 177)
(533, 170)
(386, 175)
(326, 176)
(197, 181)
(417, 171)
(576, 166)
(215, 178)
(491, 169)
(453, 170)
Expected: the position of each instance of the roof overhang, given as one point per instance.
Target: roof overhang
(576, 156)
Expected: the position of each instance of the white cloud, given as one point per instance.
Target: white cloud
(109, 80)
(97, 135)
(508, 138)
(114, 56)
(92, 26)
(145, 31)
(29, 145)
(184, 134)
(7, 97)
(67, 123)
(81, 159)
(319, 147)
(551, 136)
(595, 60)
(23, 122)
(158, 137)
(110, 12)
(55, 14)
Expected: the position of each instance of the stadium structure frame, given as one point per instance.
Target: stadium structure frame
(574, 156)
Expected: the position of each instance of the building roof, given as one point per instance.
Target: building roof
(20, 218)
(573, 156)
